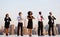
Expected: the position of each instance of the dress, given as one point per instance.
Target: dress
(7, 22)
(30, 23)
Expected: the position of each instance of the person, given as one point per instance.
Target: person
(30, 22)
(20, 23)
(7, 20)
(51, 23)
(40, 24)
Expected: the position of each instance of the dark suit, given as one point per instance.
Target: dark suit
(20, 25)
(51, 24)
(40, 27)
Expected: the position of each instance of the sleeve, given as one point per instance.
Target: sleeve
(33, 17)
(54, 18)
(27, 17)
(9, 19)
(49, 18)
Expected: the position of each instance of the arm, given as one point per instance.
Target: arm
(42, 17)
(54, 18)
(49, 18)
(28, 17)
(4, 19)
(9, 19)
(33, 17)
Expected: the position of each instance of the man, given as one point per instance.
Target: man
(20, 24)
(40, 24)
(51, 23)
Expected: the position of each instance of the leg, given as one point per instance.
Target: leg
(30, 32)
(38, 28)
(18, 30)
(21, 29)
(38, 31)
(6, 31)
(52, 29)
(42, 28)
(49, 30)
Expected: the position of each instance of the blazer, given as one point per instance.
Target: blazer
(7, 20)
(51, 18)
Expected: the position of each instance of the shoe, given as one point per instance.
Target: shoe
(30, 35)
(42, 35)
(39, 35)
(54, 35)
(6, 34)
(49, 35)
(21, 35)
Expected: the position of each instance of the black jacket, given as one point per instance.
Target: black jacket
(51, 19)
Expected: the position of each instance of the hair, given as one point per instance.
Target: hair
(7, 15)
(30, 12)
(19, 13)
(40, 12)
(49, 12)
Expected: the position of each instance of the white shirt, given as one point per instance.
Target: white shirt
(20, 19)
(39, 18)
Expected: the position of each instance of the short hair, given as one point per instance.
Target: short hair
(7, 14)
(50, 13)
(20, 13)
(30, 12)
(40, 12)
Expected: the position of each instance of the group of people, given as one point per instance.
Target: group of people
(30, 18)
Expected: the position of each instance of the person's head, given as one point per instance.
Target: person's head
(30, 13)
(40, 13)
(20, 13)
(50, 13)
(7, 15)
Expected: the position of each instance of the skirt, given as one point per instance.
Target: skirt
(30, 25)
(7, 25)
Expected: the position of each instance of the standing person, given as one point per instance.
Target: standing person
(20, 24)
(7, 20)
(30, 22)
(51, 23)
(40, 24)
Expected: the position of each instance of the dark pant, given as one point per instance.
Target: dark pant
(40, 28)
(20, 25)
(51, 26)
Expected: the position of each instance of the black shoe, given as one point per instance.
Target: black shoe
(6, 34)
(21, 35)
(30, 35)
(42, 35)
(49, 35)
(17, 35)
(54, 35)
(39, 35)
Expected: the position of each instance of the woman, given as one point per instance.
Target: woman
(7, 20)
(30, 22)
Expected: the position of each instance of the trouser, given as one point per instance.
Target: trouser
(40, 28)
(20, 25)
(51, 26)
